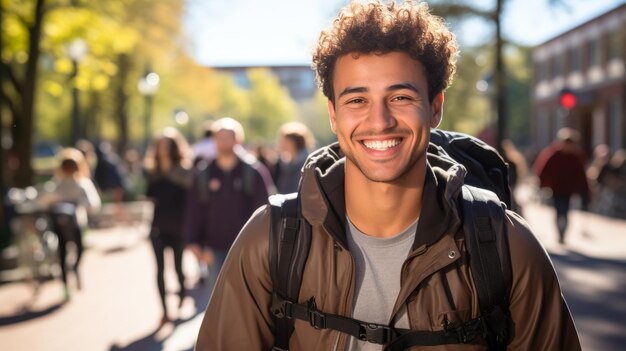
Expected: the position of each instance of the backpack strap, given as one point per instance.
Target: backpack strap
(483, 217)
(289, 244)
(489, 261)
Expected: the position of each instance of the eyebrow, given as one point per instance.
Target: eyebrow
(400, 86)
(403, 86)
(350, 90)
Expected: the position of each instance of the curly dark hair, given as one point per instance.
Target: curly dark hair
(379, 28)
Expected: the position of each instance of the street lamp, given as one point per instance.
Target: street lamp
(76, 50)
(148, 86)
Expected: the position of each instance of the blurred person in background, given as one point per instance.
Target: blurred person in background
(109, 175)
(518, 169)
(294, 142)
(167, 168)
(561, 168)
(600, 157)
(225, 192)
(267, 156)
(69, 198)
(204, 149)
(612, 180)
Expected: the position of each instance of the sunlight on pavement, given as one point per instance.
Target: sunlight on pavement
(184, 336)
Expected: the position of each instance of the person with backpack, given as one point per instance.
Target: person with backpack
(383, 246)
(226, 191)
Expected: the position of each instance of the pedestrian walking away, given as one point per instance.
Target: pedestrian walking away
(561, 168)
(390, 249)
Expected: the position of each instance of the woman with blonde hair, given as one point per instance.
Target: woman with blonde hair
(167, 168)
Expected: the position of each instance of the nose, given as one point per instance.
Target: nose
(380, 117)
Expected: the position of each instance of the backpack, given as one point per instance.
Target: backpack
(486, 245)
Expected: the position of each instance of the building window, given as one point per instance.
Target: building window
(542, 68)
(616, 124)
(559, 65)
(594, 53)
(574, 59)
(615, 45)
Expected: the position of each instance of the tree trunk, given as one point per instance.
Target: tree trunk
(3, 164)
(122, 101)
(23, 136)
(500, 80)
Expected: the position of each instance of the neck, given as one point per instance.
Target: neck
(383, 209)
(226, 161)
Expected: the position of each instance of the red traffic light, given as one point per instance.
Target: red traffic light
(567, 99)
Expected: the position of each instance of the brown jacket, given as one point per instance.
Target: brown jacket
(238, 315)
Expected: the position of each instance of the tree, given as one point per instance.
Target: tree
(18, 92)
(456, 9)
(314, 114)
(272, 105)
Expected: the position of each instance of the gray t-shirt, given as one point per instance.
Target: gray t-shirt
(378, 264)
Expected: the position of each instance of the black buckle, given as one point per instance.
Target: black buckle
(466, 332)
(281, 308)
(316, 318)
(376, 333)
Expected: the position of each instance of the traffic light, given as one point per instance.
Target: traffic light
(567, 99)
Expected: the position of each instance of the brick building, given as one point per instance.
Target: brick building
(590, 60)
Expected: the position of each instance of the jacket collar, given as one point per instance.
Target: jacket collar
(323, 200)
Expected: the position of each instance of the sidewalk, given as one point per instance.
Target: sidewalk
(118, 307)
(591, 267)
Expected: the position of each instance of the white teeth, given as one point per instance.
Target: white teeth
(381, 144)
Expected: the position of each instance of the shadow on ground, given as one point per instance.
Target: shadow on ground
(155, 341)
(589, 307)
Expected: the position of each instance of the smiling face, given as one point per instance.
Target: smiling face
(382, 116)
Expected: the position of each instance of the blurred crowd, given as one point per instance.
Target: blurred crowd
(203, 192)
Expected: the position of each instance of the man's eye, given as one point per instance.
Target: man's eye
(401, 98)
(356, 101)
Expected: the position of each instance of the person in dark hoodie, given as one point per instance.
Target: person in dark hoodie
(387, 256)
(225, 192)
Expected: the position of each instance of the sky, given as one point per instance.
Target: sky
(283, 32)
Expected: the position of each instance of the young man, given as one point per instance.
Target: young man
(387, 239)
(225, 193)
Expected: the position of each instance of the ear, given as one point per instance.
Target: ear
(333, 117)
(437, 110)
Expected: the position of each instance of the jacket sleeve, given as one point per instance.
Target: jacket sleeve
(238, 315)
(540, 316)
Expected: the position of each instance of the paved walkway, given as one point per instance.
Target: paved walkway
(118, 307)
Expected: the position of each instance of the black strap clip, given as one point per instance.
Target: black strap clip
(375, 333)
(466, 332)
(316, 317)
(281, 308)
